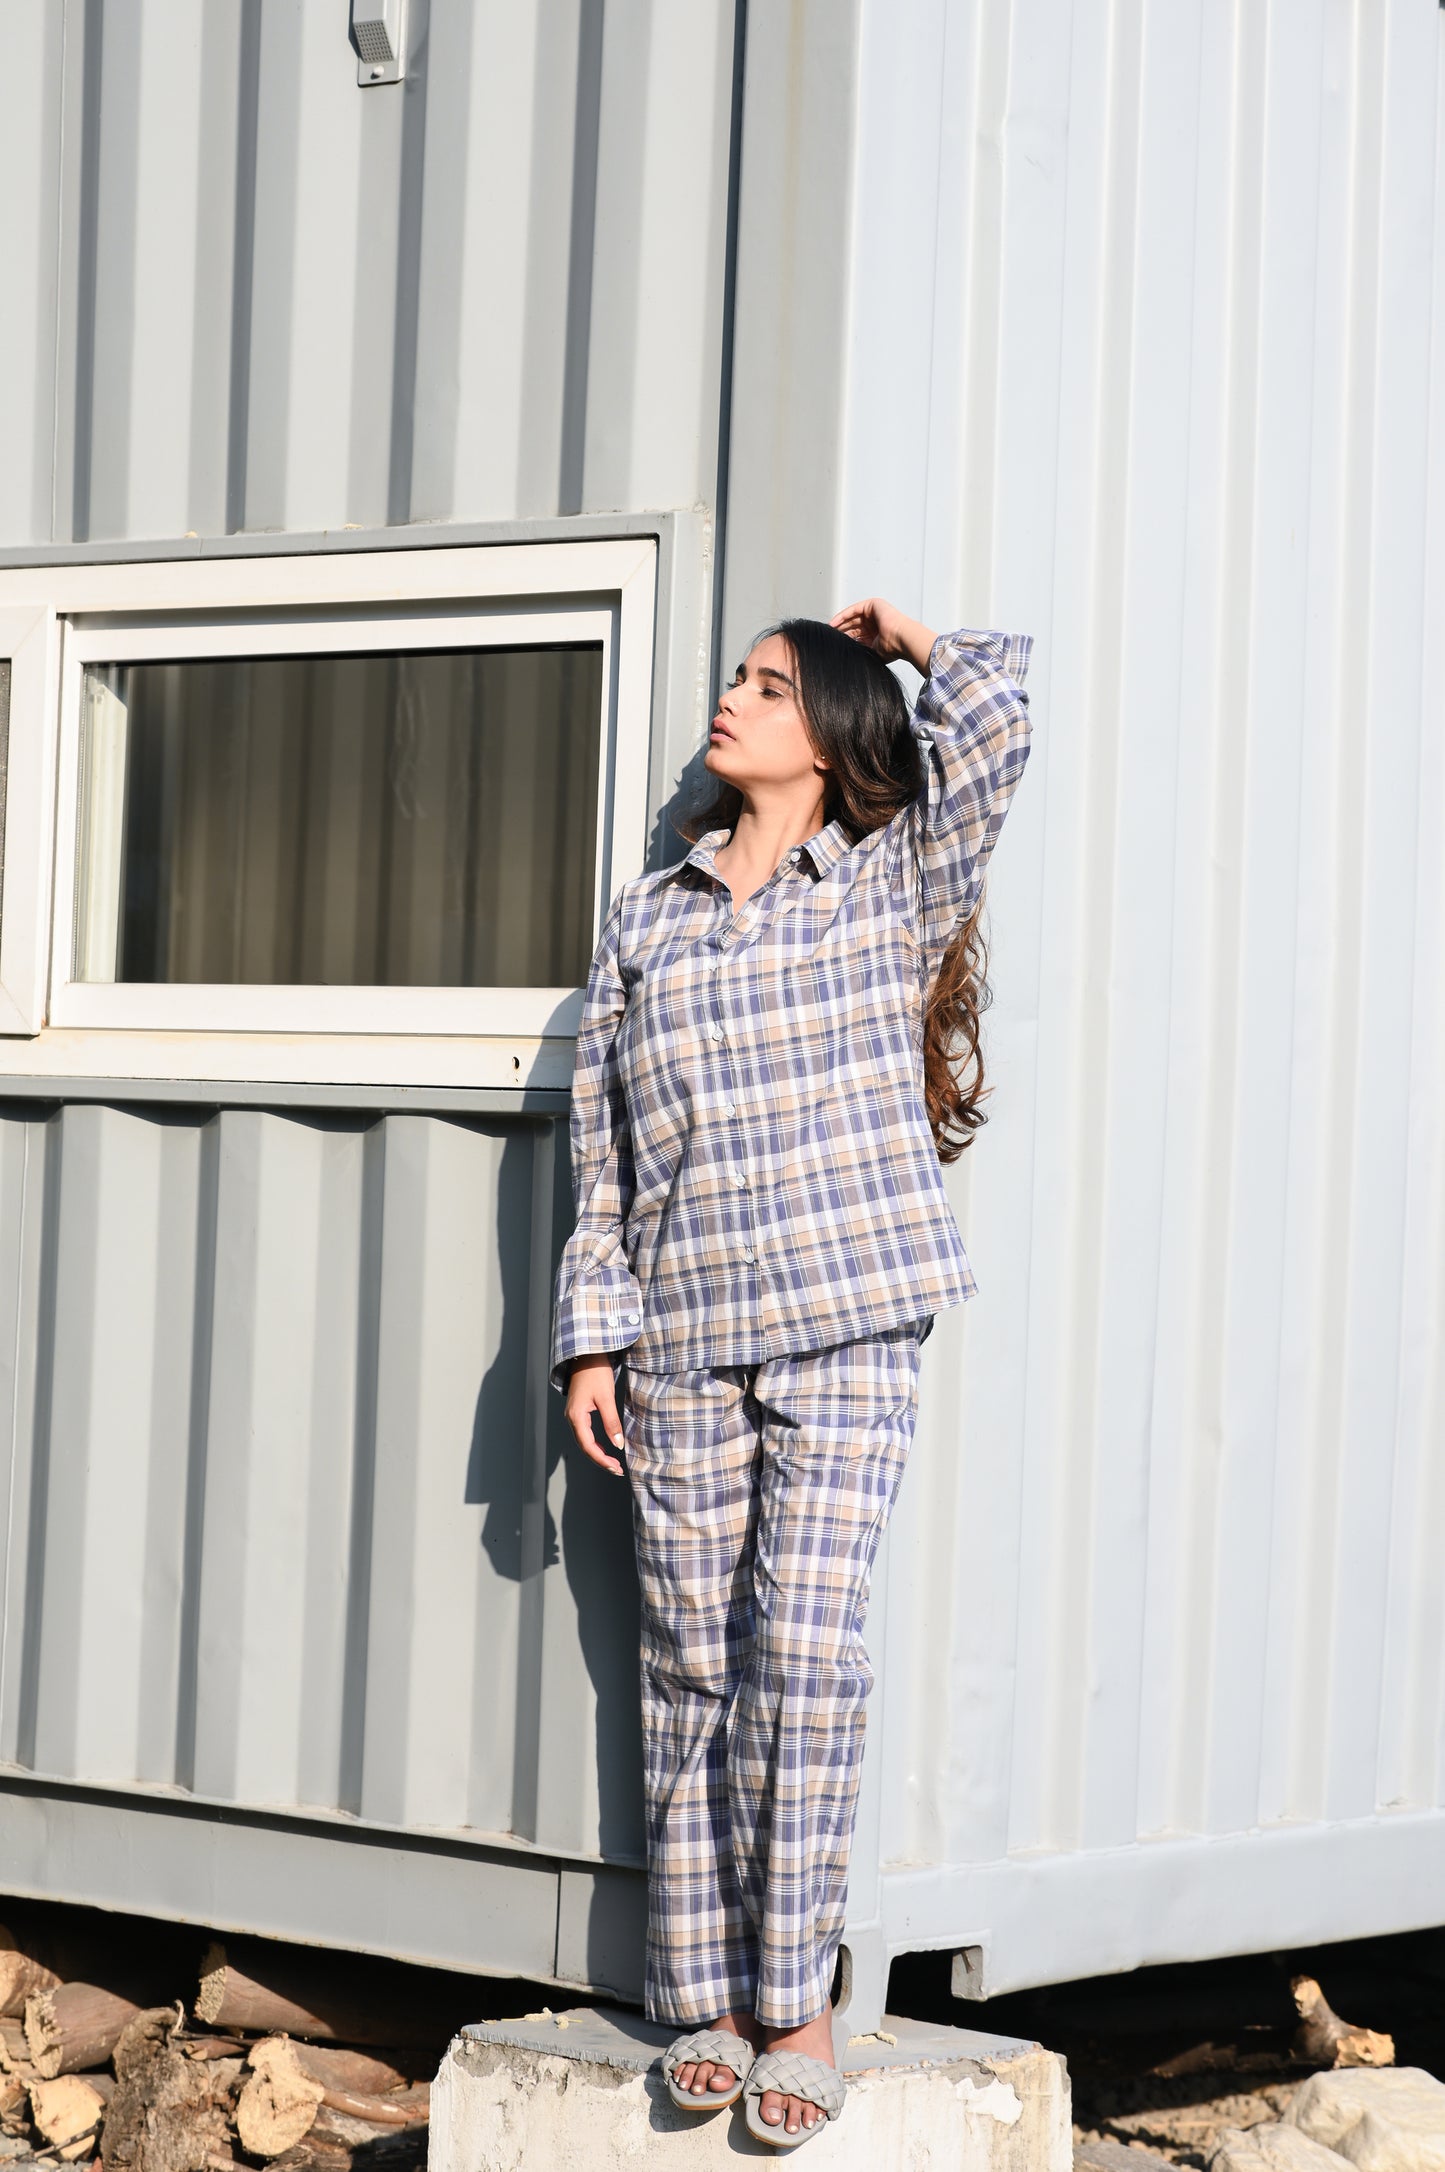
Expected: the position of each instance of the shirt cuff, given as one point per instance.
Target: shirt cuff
(1008, 653)
(600, 1314)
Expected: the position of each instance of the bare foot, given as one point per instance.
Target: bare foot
(815, 2041)
(705, 2076)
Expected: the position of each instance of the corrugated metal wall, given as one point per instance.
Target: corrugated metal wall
(287, 1515)
(1115, 320)
(1144, 329)
(246, 294)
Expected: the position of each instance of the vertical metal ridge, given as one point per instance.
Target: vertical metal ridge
(243, 265)
(12, 1454)
(728, 330)
(411, 215)
(527, 1747)
(197, 1449)
(87, 269)
(577, 338)
(37, 1536)
(356, 1668)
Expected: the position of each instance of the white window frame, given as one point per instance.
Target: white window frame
(56, 620)
(30, 643)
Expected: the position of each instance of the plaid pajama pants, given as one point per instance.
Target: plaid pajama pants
(760, 1493)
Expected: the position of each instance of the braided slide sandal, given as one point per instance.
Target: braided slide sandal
(723, 2049)
(792, 2075)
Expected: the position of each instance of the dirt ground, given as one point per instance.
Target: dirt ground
(1165, 2057)
(1160, 2060)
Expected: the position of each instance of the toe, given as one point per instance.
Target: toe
(771, 2107)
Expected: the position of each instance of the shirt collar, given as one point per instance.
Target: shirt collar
(824, 850)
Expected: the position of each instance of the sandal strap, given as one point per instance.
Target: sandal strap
(719, 2046)
(792, 2074)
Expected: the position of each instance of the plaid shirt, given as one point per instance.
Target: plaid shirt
(752, 1165)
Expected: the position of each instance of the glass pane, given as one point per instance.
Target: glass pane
(422, 820)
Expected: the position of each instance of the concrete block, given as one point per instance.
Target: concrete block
(1384, 2119)
(582, 2092)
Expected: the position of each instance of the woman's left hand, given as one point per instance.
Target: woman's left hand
(880, 625)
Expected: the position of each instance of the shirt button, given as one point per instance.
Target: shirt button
(633, 1318)
(748, 1257)
(741, 1182)
(795, 854)
(716, 1032)
(730, 1108)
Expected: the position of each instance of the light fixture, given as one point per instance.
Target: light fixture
(378, 31)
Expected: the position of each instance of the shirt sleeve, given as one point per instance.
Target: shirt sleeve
(598, 1301)
(972, 728)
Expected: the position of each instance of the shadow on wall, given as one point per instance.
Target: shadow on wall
(666, 844)
(583, 1530)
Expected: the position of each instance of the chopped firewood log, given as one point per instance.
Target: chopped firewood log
(14, 2051)
(75, 2026)
(1322, 2039)
(402, 2148)
(14, 2104)
(357, 2071)
(331, 2125)
(212, 2047)
(278, 2102)
(169, 2113)
(68, 2111)
(312, 1995)
(313, 2156)
(20, 1979)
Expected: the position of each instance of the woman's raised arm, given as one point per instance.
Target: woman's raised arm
(972, 727)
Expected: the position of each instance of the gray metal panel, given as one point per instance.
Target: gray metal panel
(421, 1898)
(276, 1417)
(245, 293)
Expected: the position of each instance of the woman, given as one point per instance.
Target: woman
(779, 1045)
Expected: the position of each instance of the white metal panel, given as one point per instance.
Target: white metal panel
(1169, 395)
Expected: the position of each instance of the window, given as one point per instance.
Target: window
(412, 818)
(384, 796)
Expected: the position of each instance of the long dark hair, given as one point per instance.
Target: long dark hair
(858, 719)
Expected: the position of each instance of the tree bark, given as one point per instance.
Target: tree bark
(343, 2070)
(311, 1996)
(169, 2113)
(1322, 2039)
(21, 1978)
(14, 2051)
(73, 2027)
(14, 2104)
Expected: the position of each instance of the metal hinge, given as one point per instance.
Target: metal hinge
(378, 31)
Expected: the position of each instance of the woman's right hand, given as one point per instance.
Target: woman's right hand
(592, 1392)
(881, 626)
